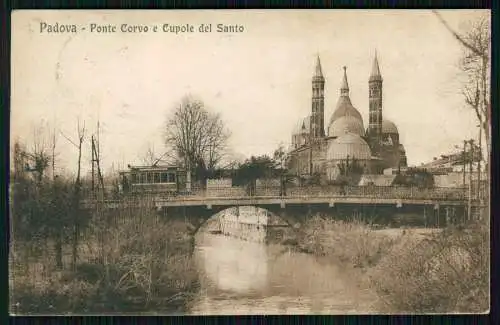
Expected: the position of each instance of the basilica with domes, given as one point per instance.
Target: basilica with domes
(374, 149)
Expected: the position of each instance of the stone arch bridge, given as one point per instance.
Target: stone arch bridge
(430, 207)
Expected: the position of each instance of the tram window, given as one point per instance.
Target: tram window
(164, 177)
(171, 178)
(157, 178)
(133, 178)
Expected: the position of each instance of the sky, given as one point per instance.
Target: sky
(259, 80)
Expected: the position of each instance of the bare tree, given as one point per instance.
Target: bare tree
(475, 64)
(149, 157)
(38, 156)
(77, 189)
(198, 137)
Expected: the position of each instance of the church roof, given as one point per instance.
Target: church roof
(377, 180)
(344, 106)
(350, 146)
(346, 124)
(375, 74)
(389, 127)
(318, 71)
(303, 126)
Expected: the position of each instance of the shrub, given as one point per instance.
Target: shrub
(447, 273)
(140, 263)
(348, 241)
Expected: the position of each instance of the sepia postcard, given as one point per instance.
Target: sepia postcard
(234, 162)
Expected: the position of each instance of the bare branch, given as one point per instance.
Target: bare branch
(471, 47)
(69, 140)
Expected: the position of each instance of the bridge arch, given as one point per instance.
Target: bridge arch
(236, 210)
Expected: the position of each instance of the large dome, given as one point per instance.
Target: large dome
(344, 108)
(350, 146)
(345, 124)
(388, 127)
(303, 126)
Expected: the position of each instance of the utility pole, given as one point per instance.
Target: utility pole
(465, 161)
(469, 212)
(99, 185)
(101, 180)
(480, 157)
(310, 156)
(93, 164)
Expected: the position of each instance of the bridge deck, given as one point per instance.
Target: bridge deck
(241, 201)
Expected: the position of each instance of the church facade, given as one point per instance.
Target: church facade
(316, 152)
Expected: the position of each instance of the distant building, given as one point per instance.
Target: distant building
(375, 149)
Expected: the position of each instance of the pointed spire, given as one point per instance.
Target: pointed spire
(375, 75)
(344, 89)
(318, 71)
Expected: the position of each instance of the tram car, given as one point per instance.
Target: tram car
(168, 180)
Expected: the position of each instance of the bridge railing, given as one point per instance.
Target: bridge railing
(382, 192)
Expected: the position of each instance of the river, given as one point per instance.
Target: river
(241, 277)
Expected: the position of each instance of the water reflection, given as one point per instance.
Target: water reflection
(241, 277)
(233, 265)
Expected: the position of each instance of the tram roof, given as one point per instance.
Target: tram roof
(153, 168)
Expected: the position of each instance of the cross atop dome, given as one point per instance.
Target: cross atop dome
(344, 89)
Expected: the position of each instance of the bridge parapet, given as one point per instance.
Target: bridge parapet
(371, 193)
(384, 192)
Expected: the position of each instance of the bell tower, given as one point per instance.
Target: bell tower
(375, 104)
(318, 102)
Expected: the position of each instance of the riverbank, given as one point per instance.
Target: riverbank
(140, 264)
(410, 270)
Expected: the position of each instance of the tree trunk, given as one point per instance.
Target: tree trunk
(76, 231)
(76, 202)
(58, 248)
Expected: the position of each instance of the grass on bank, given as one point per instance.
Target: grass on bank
(443, 272)
(352, 242)
(138, 264)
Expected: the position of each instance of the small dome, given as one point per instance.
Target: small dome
(303, 126)
(345, 108)
(345, 124)
(389, 127)
(349, 146)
